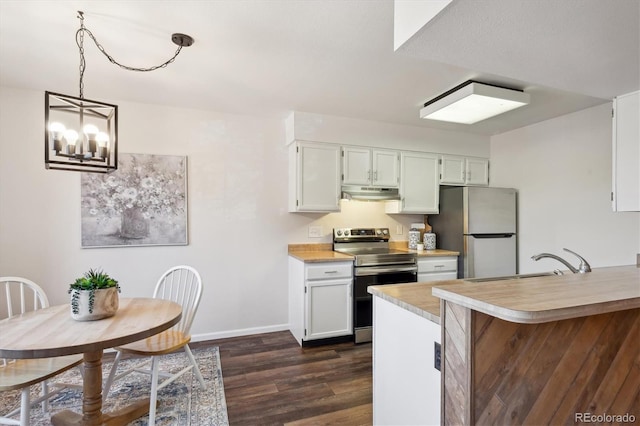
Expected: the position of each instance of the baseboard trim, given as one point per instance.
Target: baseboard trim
(237, 333)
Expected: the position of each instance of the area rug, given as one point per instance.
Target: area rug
(180, 403)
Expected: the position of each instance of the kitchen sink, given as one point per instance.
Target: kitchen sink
(510, 277)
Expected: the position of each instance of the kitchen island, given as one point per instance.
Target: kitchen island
(543, 350)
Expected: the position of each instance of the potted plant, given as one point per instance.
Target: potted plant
(94, 296)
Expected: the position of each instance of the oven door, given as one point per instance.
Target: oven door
(362, 301)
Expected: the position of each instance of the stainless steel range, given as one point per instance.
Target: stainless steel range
(375, 264)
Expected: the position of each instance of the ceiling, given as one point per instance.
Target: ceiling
(268, 58)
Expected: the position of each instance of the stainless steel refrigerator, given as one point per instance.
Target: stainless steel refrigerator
(480, 223)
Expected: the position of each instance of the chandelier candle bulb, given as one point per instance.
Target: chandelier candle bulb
(91, 131)
(71, 136)
(57, 131)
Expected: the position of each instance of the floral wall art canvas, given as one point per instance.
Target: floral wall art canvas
(143, 203)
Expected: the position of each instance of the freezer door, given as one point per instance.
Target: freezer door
(489, 255)
(489, 210)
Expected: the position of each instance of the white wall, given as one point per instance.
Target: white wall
(238, 223)
(562, 170)
(239, 226)
(304, 126)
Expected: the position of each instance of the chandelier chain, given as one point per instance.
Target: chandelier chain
(83, 64)
(80, 42)
(126, 67)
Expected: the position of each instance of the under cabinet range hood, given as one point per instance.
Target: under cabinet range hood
(368, 193)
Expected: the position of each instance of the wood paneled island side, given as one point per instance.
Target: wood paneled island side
(545, 350)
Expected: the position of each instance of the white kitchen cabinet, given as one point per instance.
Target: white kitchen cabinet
(320, 299)
(456, 170)
(406, 384)
(419, 184)
(370, 167)
(625, 195)
(314, 177)
(437, 268)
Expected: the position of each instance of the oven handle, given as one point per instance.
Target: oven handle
(384, 270)
(386, 262)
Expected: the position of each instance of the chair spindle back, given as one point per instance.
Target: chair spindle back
(183, 285)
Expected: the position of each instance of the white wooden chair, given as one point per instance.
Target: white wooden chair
(23, 295)
(183, 285)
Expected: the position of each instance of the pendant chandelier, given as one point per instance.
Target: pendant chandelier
(82, 134)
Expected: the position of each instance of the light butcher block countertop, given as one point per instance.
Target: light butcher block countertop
(403, 246)
(414, 297)
(320, 256)
(323, 252)
(433, 253)
(530, 300)
(314, 253)
(549, 298)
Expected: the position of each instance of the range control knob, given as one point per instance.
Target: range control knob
(385, 231)
(378, 232)
(346, 232)
(339, 232)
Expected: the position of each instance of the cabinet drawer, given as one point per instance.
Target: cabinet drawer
(437, 276)
(329, 270)
(438, 264)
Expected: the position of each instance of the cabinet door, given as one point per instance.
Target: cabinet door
(452, 170)
(419, 183)
(385, 168)
(328, 309)
(318, 177)
(356, 166)
(477, 171)
(626, 153)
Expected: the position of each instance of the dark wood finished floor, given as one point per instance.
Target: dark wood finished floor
(270, 380)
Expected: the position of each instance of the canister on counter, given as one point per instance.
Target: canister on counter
(414, 238)
(429, 241)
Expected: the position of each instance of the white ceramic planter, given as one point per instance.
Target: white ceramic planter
(105, 304)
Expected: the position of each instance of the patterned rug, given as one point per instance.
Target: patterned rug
(180, 403)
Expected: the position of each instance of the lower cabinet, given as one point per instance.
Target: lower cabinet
(437, 268)
(406, 384)
(320, 300)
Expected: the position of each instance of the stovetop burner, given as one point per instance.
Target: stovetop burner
(370, 246)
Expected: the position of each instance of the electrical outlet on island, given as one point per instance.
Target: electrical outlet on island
(399, 229)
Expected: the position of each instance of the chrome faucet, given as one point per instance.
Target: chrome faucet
(582, 268)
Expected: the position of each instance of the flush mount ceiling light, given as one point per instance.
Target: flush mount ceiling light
(81, 134)
(471, 102)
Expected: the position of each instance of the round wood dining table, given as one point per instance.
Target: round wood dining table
(51, 332)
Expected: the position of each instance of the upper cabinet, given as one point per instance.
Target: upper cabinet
(625, 195)
(314, 177)
(456, 170)
(317, 172)
(419, 186)
(370, 167)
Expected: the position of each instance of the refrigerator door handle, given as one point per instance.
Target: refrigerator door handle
(492, 235)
